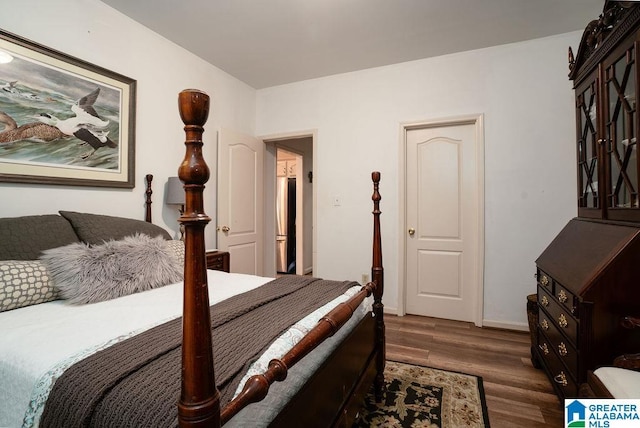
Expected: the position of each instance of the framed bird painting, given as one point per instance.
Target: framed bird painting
(63, 120)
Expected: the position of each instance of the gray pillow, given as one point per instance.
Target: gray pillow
(23, 238)
(177, 247)
(89, 274)
(96, 229)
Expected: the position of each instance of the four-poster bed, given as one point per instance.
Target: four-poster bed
(313, 374)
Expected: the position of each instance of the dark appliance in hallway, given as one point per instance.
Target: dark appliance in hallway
(286, 225)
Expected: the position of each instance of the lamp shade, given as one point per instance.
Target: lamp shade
(175, 192)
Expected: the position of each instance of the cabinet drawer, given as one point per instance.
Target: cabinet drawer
(566, 298)
(557, 315)
(560, 377)
(544, 280)
(565, 350)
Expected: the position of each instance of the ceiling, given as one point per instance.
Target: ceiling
(272, 42)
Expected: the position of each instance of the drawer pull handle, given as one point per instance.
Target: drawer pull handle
(544, 324)
(562, 349)
(562, 296)
(544, 301)
(561, 379)
(544, 280)
(544, 348)
(562, 321)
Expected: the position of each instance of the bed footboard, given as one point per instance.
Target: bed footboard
(199, 404)
(364, 358)
(257, 386)
(343, 381)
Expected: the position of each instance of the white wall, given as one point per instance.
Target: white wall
(96, 33)
(526, 98)
(522, 90)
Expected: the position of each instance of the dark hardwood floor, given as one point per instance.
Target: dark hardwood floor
(518, 395)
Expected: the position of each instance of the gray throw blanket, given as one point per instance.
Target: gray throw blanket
(136, 382)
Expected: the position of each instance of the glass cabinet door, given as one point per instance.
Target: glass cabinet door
(586, 114)
(621, 161)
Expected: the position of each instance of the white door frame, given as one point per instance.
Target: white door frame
(478, 121)
(269, 201)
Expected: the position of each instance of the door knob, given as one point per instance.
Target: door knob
(412, 231)
(223, 228)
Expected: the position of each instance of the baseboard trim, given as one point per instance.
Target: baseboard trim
(390, 310)
(506, 325)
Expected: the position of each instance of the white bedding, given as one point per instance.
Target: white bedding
(38, 342)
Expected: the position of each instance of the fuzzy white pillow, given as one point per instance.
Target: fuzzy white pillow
(89, 274)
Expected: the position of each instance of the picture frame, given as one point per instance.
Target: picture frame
(63, 121)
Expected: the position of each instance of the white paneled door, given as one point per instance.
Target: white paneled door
(442, 217)
(240, 200)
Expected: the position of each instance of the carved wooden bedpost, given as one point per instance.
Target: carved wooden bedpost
(148, 192)
(377, 275)
(199, 404)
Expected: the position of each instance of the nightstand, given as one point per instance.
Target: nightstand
(217, 260)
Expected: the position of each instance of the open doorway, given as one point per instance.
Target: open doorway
(287, 176)
(289, 219)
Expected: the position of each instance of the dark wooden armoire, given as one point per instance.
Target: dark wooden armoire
(589, 275)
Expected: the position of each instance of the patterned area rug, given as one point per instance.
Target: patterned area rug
(424, 397)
